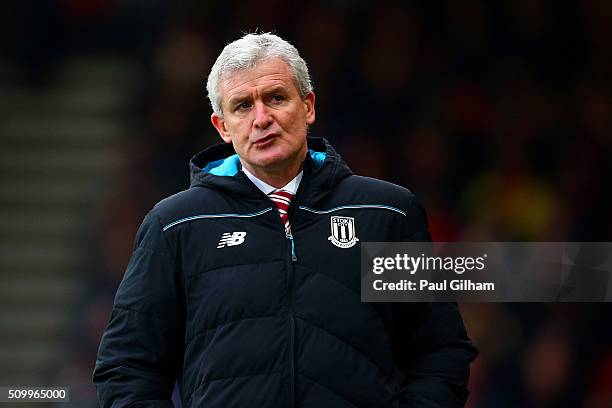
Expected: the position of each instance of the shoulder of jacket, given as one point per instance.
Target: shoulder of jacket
(369, 187)
(367, 190)
(187, 202)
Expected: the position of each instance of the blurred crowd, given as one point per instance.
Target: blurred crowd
(498, 115)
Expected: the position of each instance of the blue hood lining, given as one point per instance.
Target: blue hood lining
(230, 166)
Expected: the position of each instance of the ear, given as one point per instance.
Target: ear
(219, 124)
(309, 101)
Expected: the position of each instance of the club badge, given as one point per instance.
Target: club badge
(343, 232)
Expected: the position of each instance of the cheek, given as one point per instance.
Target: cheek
(299, 126)
(239, 131)
(295, 123)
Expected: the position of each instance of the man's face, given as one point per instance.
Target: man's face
(264, 116)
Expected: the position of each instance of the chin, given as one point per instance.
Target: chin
(271, 153)
(269, 161)
(274, 155)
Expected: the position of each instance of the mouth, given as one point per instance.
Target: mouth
(265, 140)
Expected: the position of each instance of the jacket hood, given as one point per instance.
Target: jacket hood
(218, 167)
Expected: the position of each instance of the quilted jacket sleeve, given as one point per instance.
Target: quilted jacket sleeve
(142, 347)
(431, 344)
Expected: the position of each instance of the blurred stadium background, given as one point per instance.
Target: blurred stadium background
(498, 115)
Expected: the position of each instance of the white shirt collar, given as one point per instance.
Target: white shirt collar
(291, 187)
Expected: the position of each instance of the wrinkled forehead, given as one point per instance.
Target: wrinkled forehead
(265, 71)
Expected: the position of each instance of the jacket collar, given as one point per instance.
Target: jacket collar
(218, 167)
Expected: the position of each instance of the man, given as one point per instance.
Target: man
(246, 287)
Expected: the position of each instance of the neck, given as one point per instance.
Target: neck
(276, 177)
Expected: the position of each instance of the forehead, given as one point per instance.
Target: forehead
(266, 73)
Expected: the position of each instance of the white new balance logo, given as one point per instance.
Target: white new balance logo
(231, 239)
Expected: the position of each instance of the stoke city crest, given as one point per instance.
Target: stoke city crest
(343, 232)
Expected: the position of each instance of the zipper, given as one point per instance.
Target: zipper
(290, 264)
(292, 364)
(290, 276)
(290, 238)
(290, 271)
(291, 261)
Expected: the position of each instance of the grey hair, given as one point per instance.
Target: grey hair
(245, 53)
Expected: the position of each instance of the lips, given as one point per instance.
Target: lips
(265, 139)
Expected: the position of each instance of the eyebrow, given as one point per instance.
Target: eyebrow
(237, 98)
(275, 88)
(233, 100)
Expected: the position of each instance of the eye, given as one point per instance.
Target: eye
(243, 106)
(278, 98)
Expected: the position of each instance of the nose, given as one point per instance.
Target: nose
(262, 116)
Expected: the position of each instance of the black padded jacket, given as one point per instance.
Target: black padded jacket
(217, 297)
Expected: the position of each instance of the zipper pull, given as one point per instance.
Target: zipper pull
(293, 255)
